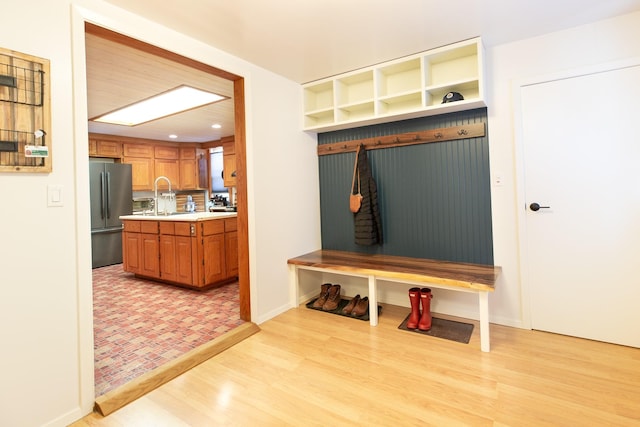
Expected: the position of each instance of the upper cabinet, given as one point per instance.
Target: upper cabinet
(413, 86)
(186, 165)
(229, 161)
(100, 148)
(140, 157)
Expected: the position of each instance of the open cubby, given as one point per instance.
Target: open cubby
(354, 89)
(408, 87)
(400, 78)
(318, 97)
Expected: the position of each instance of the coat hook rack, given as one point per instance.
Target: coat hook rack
(473, 130)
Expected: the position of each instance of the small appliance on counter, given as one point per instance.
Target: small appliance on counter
(143, 205)
(190, 206)
(218, 203)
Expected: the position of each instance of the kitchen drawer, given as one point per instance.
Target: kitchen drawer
(167, 227)
(230, 224)
(150, 227)
(132, 226)
(184, 228)
(212, 227)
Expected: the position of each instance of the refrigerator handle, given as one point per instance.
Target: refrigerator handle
(102, 194)
(108, 194)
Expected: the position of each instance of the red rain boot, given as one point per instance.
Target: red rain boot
(414, 298)
(425, 319)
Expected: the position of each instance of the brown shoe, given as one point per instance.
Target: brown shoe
(352, 304)
(361, 308)
(333, 299)
(322, 298)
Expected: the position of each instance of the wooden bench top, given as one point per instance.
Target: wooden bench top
(472, 276)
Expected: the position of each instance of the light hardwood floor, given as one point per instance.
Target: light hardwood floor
(309, 368)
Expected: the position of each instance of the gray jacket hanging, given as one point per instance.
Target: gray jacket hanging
(367, 222)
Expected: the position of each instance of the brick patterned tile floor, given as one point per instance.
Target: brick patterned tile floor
(141, 324)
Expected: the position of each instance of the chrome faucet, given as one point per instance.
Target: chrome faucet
(155, 198)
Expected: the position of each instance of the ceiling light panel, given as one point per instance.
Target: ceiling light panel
(182, 98)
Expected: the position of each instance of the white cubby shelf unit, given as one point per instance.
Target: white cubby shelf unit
(408, 87)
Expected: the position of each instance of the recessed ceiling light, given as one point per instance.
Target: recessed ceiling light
(216, 126)
(174, 101)
(173, 136)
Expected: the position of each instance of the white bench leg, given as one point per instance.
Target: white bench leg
(483, 299)
(373, 301)
(293, 286)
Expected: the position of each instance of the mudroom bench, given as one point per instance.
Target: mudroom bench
(463, 277)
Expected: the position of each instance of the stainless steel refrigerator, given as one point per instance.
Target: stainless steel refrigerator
(111, 196)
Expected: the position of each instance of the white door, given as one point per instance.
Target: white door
(581, 153)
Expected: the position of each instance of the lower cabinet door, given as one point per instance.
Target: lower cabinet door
(168, 270)
(184, 260)
(231, 253)
(131, 252)
(213, 256)
(150, 265)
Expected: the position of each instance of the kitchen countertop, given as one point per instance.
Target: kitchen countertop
(181, 216)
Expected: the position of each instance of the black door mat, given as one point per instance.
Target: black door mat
(443, 328)
(342, 304)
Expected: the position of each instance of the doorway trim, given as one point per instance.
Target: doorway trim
(114, 18)
(239, 137)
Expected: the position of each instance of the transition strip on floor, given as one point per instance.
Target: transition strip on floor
(149, 381)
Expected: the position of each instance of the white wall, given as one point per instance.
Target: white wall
(45, 313)
(45, 253)
(39, 303)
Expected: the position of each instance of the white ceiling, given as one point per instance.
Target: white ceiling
(305, 40)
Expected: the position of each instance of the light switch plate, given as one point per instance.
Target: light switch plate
(54, 195)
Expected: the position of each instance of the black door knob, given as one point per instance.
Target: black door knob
(536, 207)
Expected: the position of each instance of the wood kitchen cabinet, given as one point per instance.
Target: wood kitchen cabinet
(188, 169)
(140, 157)
(186, 165)
(229, 161)
(141, 248)
(167, 163)
(231, 245)
(212, 251)
(170, 169)
(202, 159)
(229, 169)
(141, 173)
(101, 148)
(176, 257)
(196, 254)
